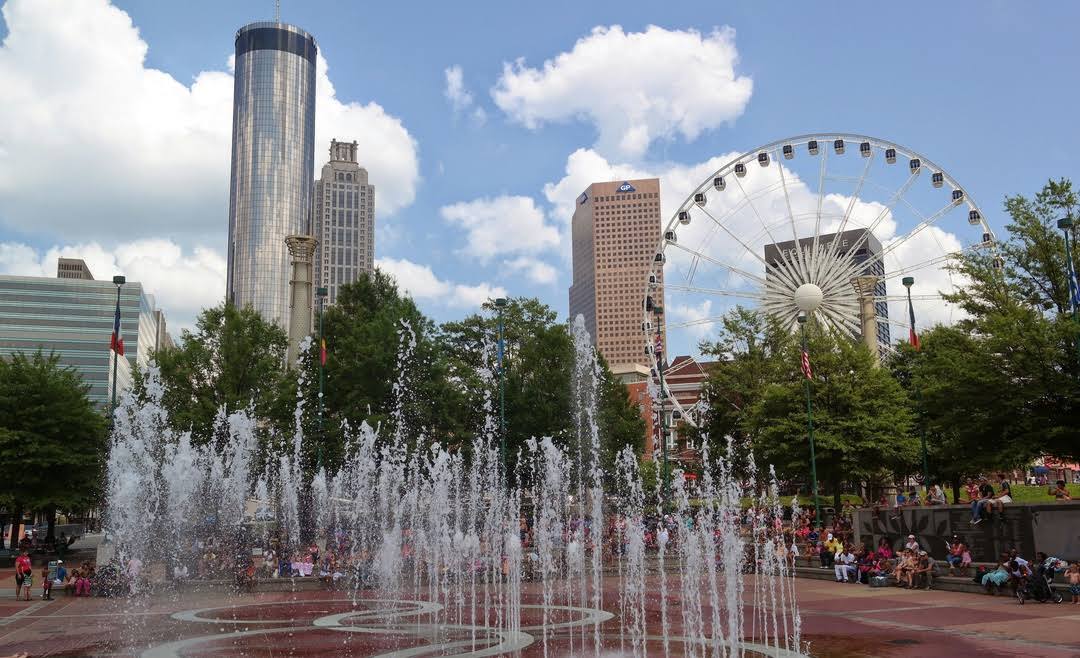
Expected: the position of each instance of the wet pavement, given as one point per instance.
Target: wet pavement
(838, 621)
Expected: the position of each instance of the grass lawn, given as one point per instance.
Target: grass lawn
(1023, 493)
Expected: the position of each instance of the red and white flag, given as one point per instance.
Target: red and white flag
(806, 365)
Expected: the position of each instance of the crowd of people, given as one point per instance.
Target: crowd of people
(54, 575)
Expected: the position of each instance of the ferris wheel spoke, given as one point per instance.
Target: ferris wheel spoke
(904, 298)
(919, 228)
(841, 320)
(851, 205)
(782, 273)
(804, 271)
(730, 268)
(845, 267)
(921, 265)
(817, 216)
(716, 291)
(697, 322)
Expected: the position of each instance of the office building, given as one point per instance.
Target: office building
(343, 220)
(73, 318)
(867, 250)
(73, 268)
(273, 160)
(615, 232)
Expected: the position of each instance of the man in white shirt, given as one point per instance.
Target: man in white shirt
(912, 544)
(844, 567)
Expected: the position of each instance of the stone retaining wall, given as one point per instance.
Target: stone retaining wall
(1053, 528)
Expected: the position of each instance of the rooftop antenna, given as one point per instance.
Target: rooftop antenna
(277, 11)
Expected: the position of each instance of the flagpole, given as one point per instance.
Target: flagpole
(810, 425)
(659, 312)
(1066, 225)
(321, 294)
(500, 304)
(119, 281)
(909, 281)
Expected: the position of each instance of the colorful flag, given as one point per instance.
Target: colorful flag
(322, 351)
(806, 364)
(116, 344)
(913, 337)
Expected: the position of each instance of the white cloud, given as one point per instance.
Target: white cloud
(535, 270)
(635, 87)
(461, 99)
(92, 141)
(501, 225)
(182, 282)
(422, 284)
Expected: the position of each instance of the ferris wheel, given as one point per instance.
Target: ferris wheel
(857, 223)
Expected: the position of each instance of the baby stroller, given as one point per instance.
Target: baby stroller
(1038, 587)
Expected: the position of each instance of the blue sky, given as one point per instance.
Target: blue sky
(987, 89)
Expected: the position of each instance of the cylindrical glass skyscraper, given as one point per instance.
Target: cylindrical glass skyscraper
(273, 160)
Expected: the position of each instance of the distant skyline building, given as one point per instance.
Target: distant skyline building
(343, 220)
(615, 230)
(73, 318)
(273, 162)
(868, 251)
(73, 268)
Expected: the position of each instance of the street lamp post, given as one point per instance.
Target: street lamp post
(658, 312)
(808, 298)
(321, 294)
(500, 304)
(909, 281)
(119, 281)
(1066, 225)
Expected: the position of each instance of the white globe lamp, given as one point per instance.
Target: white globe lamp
(808, 297)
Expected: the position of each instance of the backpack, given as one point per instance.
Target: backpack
(979, 573)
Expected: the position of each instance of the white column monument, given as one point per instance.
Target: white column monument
(301, 251)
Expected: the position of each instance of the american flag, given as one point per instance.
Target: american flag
(116, 343)
(658, 348)
(913, 337)
(806, 365)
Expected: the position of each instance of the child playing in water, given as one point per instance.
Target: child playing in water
(28, 584)
(1072, 577)
(46, 584)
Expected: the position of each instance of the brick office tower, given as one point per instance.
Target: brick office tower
(615, 231)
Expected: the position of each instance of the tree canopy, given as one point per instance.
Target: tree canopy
(233, 360)
(52, 438)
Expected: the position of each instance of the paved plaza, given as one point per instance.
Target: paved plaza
(838, 621)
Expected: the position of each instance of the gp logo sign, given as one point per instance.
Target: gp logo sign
(626, 187)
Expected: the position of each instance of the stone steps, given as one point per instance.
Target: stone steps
(942, 583)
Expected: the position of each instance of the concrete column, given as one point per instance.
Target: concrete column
(864, 286)
(301, 251)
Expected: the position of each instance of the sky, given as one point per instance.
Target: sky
(481, 122)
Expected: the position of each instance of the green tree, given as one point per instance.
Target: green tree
(369, 378)
(1017, 374)
(538, 361)
(749, 350)
(862, 417)
(234, 360)
(619, 420)
(52, 439)
(539, 370)
(964, 405)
